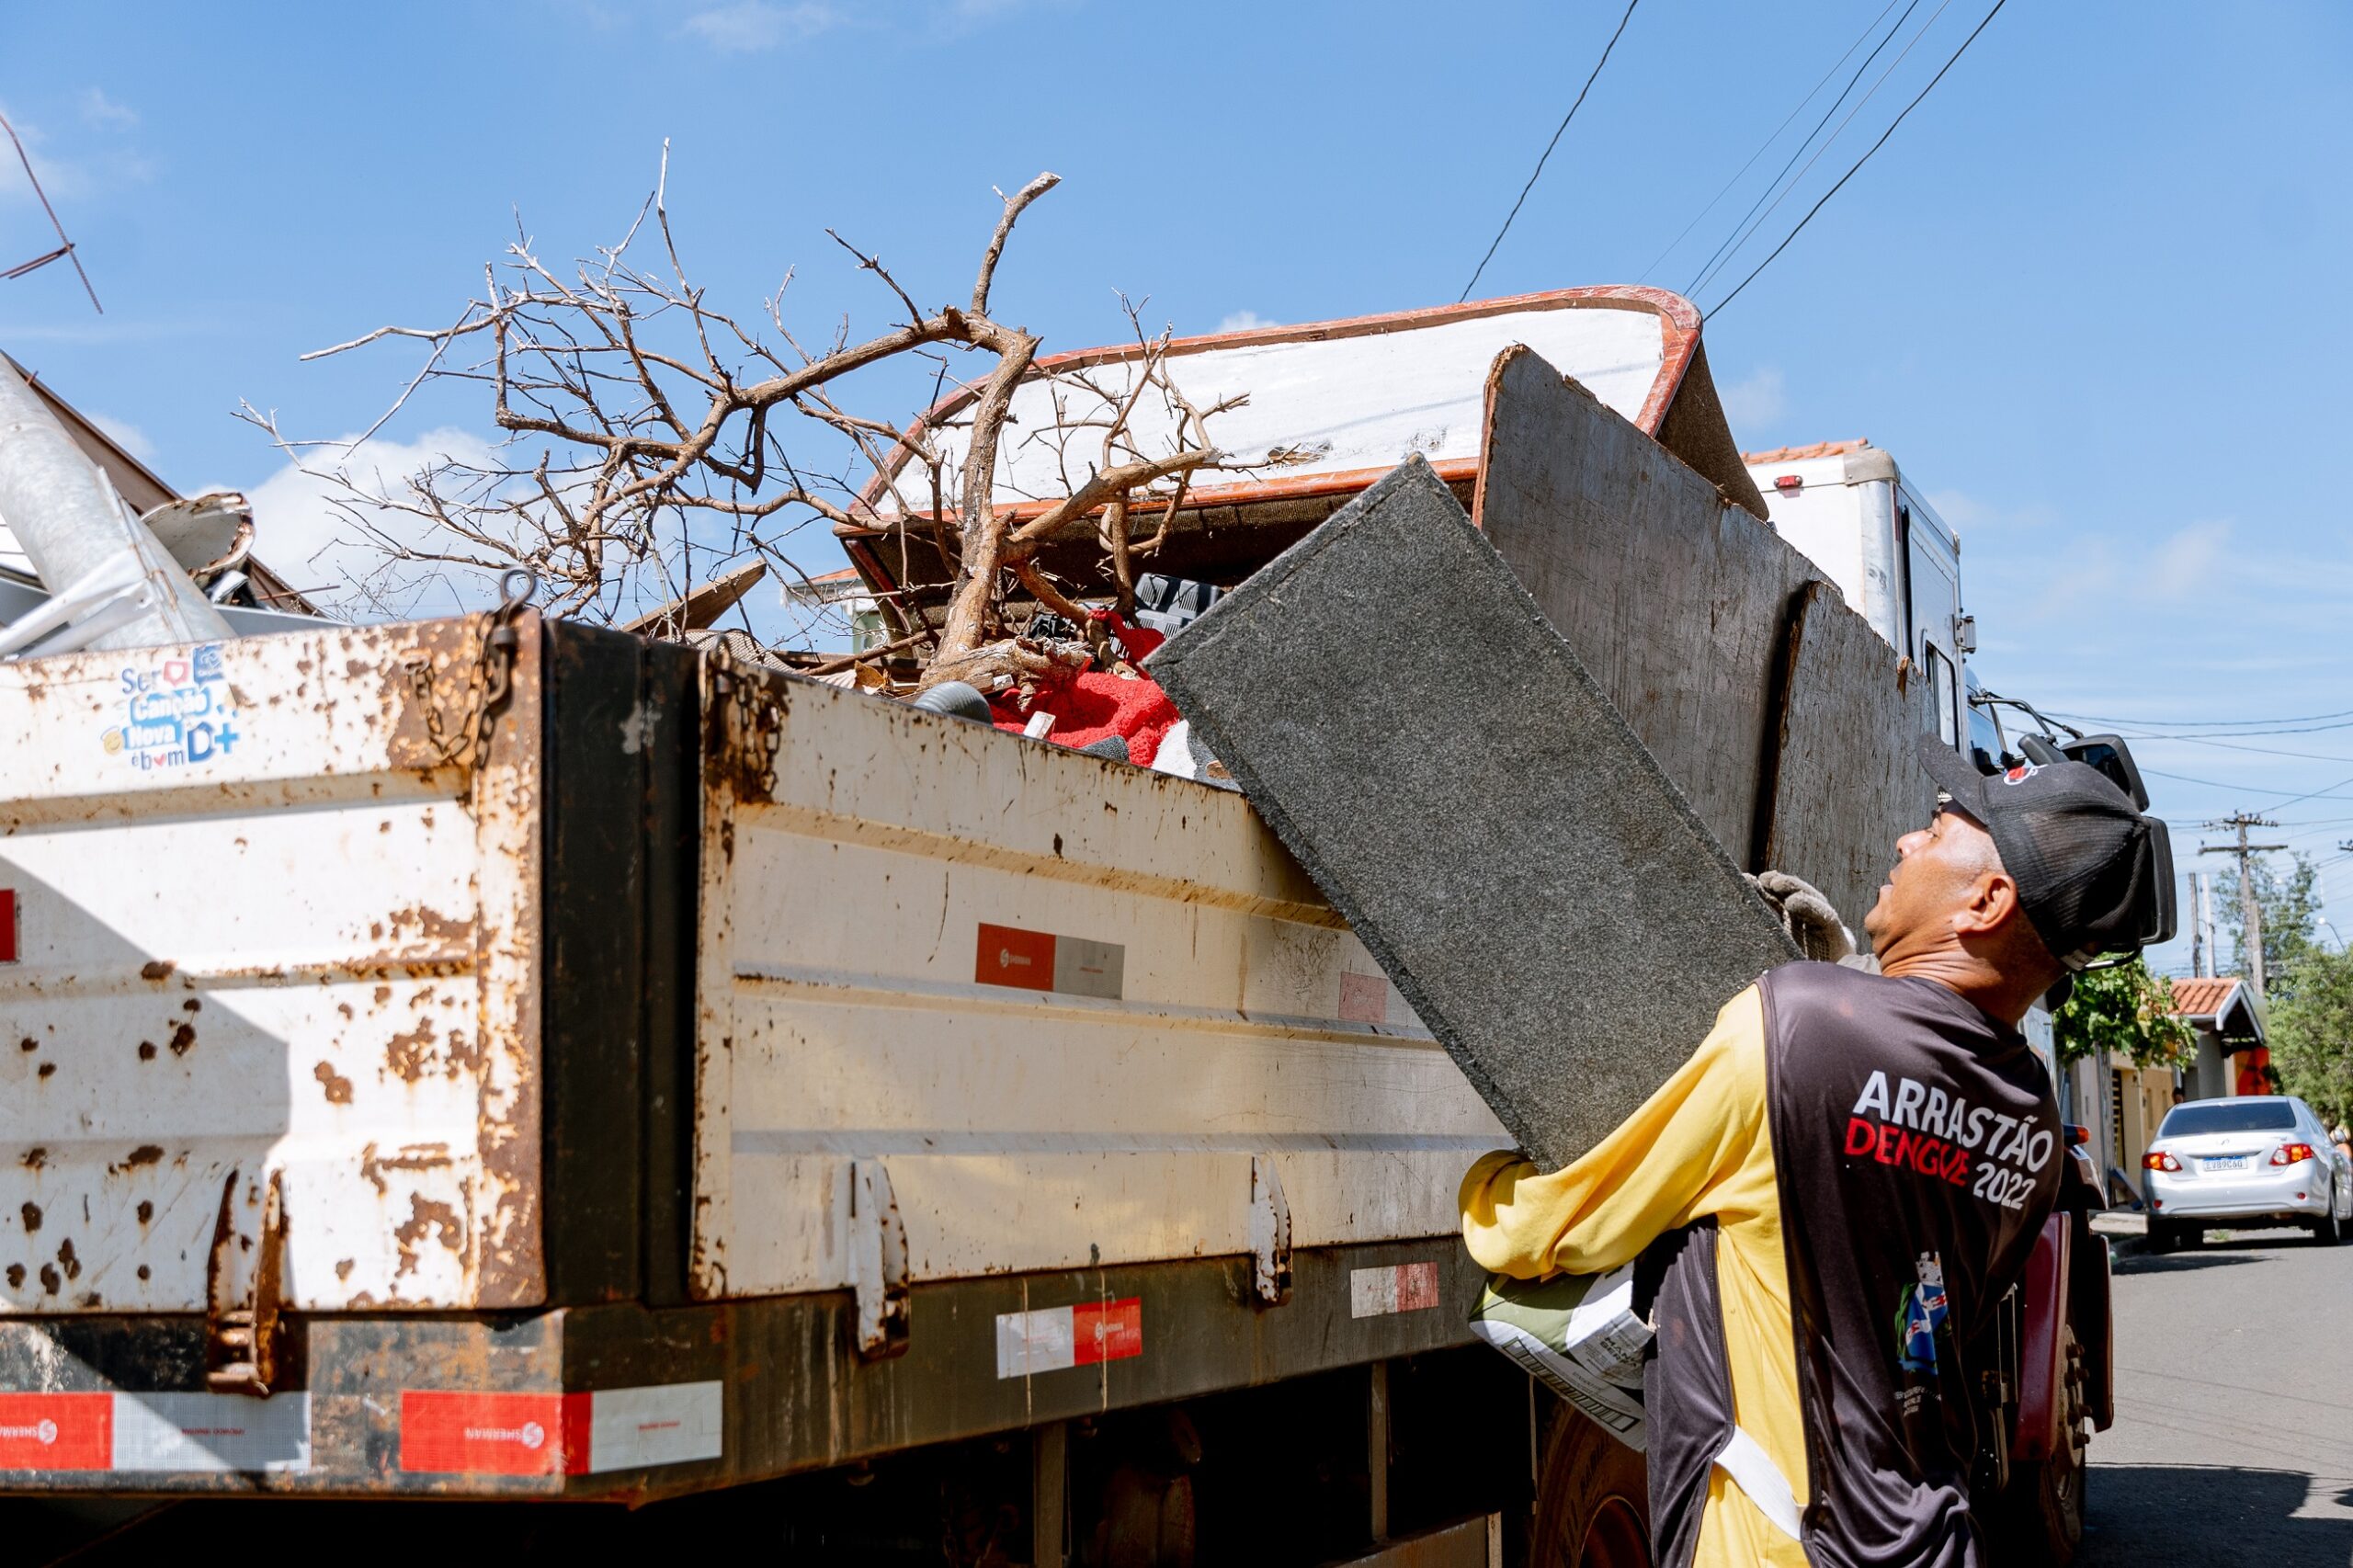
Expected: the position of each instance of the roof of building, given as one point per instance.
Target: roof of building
(1800, 454)
(2220, 1002)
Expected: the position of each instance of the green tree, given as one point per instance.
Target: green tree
(2128, 1012)
(2291, 906)
(2312, 1031)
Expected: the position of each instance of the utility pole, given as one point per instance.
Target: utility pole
(2198, 955)
(2250, 913)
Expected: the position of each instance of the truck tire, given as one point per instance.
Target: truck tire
(1592, 1499)
(2040, 1519)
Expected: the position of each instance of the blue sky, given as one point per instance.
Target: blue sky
(2082, 293)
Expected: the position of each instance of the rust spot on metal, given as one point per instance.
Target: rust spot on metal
(89, 1299)
(29, 1044)
(425, 1215)
(47, 1068)
(36, 1157)
(183, 1037)
(344, 1267)
(15, 1275)
(383, 995)
(48, 1279)
(370, 1168)
(338, 1087)
(145, 1155)
(67, 1259)
(193, 1004)
(31, 1212)
(409, 1053)
(142, 1271)
(146, 1210)
(146, 1050)
(157, 969)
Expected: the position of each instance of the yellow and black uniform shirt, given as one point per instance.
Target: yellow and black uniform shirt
(1875, 1157)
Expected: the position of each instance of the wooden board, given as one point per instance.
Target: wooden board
(1676, 601)
(1847, 784)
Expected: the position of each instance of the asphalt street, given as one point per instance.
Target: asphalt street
(2234, 1435)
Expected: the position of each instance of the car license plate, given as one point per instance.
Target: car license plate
(2226, 1163)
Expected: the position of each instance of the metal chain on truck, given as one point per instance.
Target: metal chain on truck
(489, 679)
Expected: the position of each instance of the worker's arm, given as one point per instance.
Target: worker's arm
(1677, 1159)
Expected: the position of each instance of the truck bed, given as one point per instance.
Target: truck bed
(708, 1072)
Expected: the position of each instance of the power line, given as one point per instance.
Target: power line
(2225, 745)
(1801, 147)
(2232, 727)
(1548, 151)
(1752, 220)
(2250, 788)
(1866, 158)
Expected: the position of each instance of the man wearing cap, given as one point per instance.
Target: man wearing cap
(1849, 1173)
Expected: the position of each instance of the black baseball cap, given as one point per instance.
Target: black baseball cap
(2090, 869)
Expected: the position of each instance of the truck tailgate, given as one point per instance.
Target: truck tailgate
(273, 923)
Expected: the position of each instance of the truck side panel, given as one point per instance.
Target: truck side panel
(1068, 1004)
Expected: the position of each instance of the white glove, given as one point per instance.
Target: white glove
(1806, 915)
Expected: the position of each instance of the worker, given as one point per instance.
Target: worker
(1867, 1159)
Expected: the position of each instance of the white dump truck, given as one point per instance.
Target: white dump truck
(502, 1059)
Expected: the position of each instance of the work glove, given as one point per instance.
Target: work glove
(1806, 915)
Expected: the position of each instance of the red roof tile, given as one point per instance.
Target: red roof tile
(2203, 997)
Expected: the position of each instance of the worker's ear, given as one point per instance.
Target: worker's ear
(1992, 903)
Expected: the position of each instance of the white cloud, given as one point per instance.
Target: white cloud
(77, 179)
(1755, 402)
(315, 545)
(749, 26)
(127, 436)
(2190, 561)
(99, 109)
(1246, 321)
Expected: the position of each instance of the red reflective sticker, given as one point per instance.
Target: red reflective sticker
(56, 1431)
(1022, 959)
(1107, 1331)
(458, 1432)
(7, 925)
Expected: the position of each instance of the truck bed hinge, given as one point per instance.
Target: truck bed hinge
(877, 1261)
(1270, 1232)
(244, 1282)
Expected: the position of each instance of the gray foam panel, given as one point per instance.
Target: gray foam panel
(1394, 704)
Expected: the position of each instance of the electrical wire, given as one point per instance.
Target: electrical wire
(2247, 788)
(1787, 191)
(1866, 158)
(2225, 745)
(1767, 142)
(1548, 152)
(1750, 219)
(2221, 726)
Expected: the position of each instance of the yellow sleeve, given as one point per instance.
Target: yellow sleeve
(1684, 1156)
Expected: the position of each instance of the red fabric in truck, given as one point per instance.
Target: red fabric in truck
(1100, 703)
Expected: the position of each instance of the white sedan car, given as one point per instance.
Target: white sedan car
(2247, 1162)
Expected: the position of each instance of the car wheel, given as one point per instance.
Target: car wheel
(2164, 1237)
(2328, 1230)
